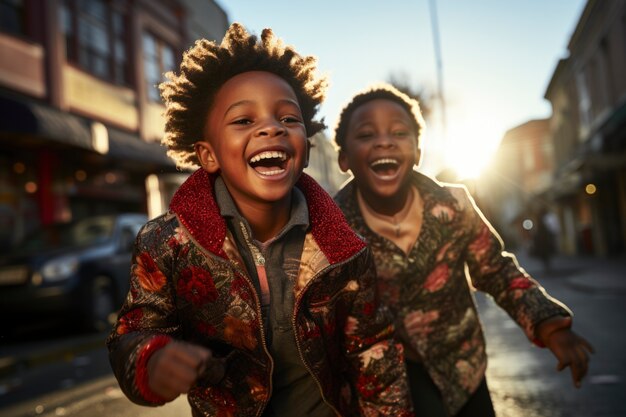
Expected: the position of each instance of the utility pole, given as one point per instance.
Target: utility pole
(434, 22)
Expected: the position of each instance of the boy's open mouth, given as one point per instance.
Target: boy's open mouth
(385, 166)
(269, 162)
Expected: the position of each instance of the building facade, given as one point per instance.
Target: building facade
(80, 114)
(587, 92)
(511, 189)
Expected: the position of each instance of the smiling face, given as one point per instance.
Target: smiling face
(255, 136)
(380, 149)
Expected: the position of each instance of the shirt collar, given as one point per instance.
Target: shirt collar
(299, 215)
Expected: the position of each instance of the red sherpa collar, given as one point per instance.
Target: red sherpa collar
(197, 209)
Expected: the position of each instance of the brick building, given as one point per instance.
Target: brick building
(80, 115)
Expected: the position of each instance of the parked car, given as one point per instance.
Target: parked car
(79, 271)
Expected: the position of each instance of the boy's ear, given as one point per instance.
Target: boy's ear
(343, 161)
(418, 157)
(206, 156)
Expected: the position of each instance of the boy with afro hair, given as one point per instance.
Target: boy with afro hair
(425, 235)
(252, 294)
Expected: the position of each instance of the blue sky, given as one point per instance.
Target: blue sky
(497, 59)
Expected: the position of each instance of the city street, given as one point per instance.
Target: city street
(118, 113)
(522, 378)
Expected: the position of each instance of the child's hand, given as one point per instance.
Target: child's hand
(173, 369)
(571, 350)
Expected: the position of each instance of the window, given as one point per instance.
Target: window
(158, 58)
(95, 38)
(12, 17)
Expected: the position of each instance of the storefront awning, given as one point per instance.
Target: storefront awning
(37, 119)
(45, 123)
(130, 147)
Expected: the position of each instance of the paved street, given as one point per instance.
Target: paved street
(522, 378)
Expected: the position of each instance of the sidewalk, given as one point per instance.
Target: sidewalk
(582, 273)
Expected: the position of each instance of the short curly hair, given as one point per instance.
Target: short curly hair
(206, 66)
(379, 91)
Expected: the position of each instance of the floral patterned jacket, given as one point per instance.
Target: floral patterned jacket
(430, 294)
(189, 282)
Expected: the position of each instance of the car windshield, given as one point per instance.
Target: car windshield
(82, 233)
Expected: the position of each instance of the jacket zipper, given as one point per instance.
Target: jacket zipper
(259, 263)
(293, 324)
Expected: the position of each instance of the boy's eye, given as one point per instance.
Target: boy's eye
(400, 133)
(242, 121)
(290, 119)
(364, 135)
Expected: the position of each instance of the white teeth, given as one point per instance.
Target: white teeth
(270, 173)
(268, 155)
(384, 161)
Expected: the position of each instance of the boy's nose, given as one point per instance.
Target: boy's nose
(384, 141)
(271, 129)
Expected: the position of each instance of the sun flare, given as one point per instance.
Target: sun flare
(470, 147)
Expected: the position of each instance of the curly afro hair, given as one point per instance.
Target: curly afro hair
(206, 66)
(379, 91)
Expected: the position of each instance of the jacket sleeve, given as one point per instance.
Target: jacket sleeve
(147, 319)
(498, 273)
(379, 373)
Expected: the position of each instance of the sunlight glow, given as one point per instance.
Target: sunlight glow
(471, 144)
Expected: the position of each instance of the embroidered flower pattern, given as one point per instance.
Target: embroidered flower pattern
(257, 388)
(196, 286)
(148, 273)
(418, 322)
(352, 325)
(465, 370)
(224, 402)
(520, 283)
(443, 213)
(368, 386)
(240, 288)
(130, 321)
(442, 252)
(239, 333)
(437, 278)
(482, 243)
(374, 353)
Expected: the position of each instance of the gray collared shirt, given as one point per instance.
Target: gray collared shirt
(281, 253)
(295, 392)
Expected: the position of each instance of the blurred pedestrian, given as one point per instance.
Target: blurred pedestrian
(543, 243)
(425, 236)
(252, 294)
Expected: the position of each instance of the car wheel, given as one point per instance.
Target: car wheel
(100, 305)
